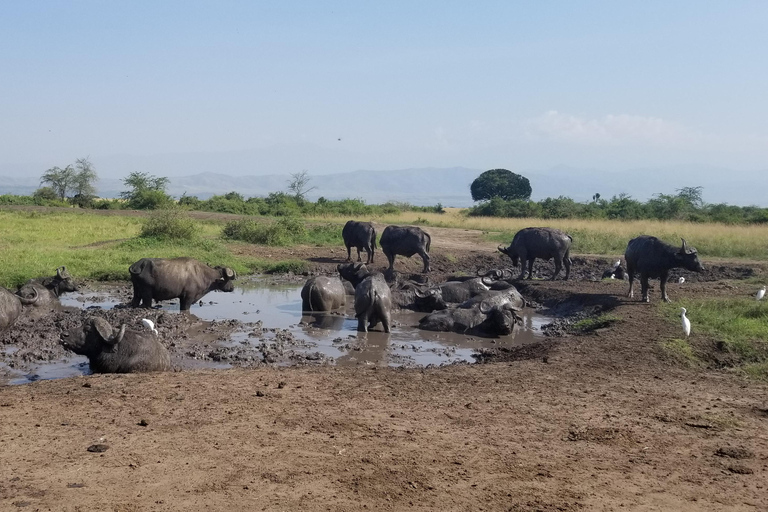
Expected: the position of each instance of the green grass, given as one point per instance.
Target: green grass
(286, 231)
(739, 325)
(681, 351)
(594, 323)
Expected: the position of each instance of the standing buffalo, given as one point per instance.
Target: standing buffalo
(10, 306)
(46, 290)
(490, 314)
(545, 243)
(652, 258)
(360, 235)
(406, 241)
(373, 301)
(184, 278)
(116, 350)
(322, 294)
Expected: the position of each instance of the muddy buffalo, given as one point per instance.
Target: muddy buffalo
(451, 292)
(405, 241)
(545, 243)
(11, 306)
(184, 278)
(323, 293)
(493, 313)
(47, 290)
(373, 300)
(652, 258)
(360, 235)
(120, 350)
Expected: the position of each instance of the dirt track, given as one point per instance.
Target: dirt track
(592, 422)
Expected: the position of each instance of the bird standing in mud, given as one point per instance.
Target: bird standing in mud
(760, 293)
(686, 322)
(681, 280)
(149, 324)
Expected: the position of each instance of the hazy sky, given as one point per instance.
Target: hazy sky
(388, 84)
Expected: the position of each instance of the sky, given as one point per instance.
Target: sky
(337, 86)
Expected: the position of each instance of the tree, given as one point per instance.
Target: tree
(298, 185)
(60, 180)
(691, 195)
(147, 191)
(500, 183)
(84, 178)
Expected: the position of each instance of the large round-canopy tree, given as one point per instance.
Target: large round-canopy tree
(500, 183)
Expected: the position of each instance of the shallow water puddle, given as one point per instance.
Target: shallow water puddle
(271, 315)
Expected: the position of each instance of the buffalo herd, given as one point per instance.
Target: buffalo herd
(486, 305)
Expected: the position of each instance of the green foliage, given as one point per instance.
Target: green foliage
(108, 204)
(169, 224)
(500, 183)
(83, 182)
(282, 232)
(45, 194)
(60, 180)
(147, 192)
(681, 351)
(595, 322)
(13, 200)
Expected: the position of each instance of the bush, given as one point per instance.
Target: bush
(46, 194)
(108, 204)
(286, 231)
(150, 200)
(169, 224)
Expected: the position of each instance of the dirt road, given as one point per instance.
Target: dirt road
(601, 421)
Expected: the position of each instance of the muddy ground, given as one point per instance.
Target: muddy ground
(594, 421)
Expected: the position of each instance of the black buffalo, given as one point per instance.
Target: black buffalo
(450, 292)
(652, 258)
(46, 290)
(545, 243)
(184, 278)
(405, 241)
(360, 235)
(11, 306)
(493, 313)
(323, 293)
(373, 300)
(112, 350)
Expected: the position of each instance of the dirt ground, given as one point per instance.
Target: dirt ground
(598, 421)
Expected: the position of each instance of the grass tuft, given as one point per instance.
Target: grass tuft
(594, 323)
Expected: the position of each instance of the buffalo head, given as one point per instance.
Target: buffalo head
(511, 252)
(224, 283)
(501, 318)
(94, 337)
(689, 257)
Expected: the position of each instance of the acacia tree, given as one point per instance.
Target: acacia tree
(84, 178)
(60, 180)
(298, 185)
(147, 191)
(500, 183)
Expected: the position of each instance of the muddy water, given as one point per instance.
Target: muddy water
(268, 314)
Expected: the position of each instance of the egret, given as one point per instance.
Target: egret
(760, 293)
(617, 264)
(149, 324)
(686, 322)
(681, 280)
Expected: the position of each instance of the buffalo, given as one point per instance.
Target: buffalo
(120, 350)
(11, 306)
(405, 241)
(450, 292)
(322, 294)
(545, 243)
(373, 300)
(493, 313)
(184, 278)
(360, 235)
(652, 258)
(45, 291)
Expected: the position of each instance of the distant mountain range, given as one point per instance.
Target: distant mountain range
(450, 186)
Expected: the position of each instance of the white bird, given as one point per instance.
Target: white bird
(149, 324)
(760, 293)
(681, 280)
(686, 322)
(617, 264)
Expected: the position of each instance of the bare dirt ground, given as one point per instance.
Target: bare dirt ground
(598, 421)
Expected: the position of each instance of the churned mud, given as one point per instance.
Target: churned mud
(597, 420)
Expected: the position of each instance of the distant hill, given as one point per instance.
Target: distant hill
(450, 186)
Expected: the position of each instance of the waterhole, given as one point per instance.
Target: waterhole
(271, 328)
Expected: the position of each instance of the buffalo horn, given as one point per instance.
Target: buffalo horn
(685, 246)
(117, 338)
(485, 308)
(29, 301)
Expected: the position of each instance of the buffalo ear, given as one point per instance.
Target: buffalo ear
(485, 307)
(230, 273)
(358, 266)
(103, 328)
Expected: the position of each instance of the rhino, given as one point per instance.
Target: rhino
(545, 243)
(11, 306)
(323, 293)
(184, 278)
(46, 290)
(406, 241)
(120, 350)
(651, 258)
(493, 313)
(373, 300)
(360, 235)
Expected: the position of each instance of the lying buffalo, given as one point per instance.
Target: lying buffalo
(373, 300)
(47, 290)
(545, 243)
(450, 292)
(405, 241)
(184, 278)
(322, 294)
(360, 235)
(652, 258)
(116, 350)
(11, 306)
(491, 314)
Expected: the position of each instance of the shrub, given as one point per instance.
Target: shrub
(149, 199)
(286, 231)
(169, 224)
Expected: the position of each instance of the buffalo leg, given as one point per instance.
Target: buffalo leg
(391, 260)
(558, 266)
(663, 279)
(644, 286)
(349, 253)
(362, 324)
(530, 268)
(358, 255)
(522, 269)
(370, 255)
(567, 263)
(425, 258)
(631, 276)
(136, 301)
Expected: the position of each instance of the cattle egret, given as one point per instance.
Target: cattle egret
(760, 293)
(617, 264)
(681, 280)
(686, 322)
(149, 324)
